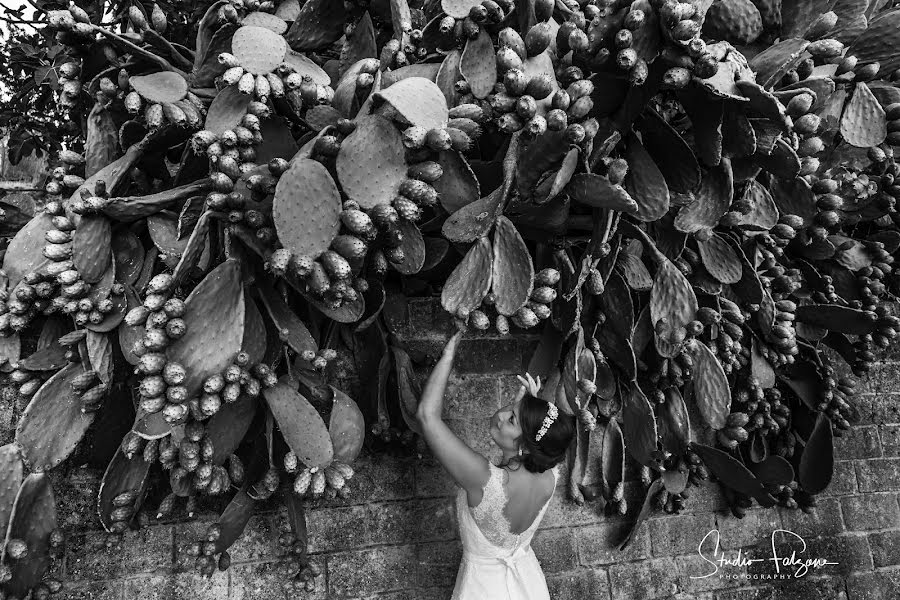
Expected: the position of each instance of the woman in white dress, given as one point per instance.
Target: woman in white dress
(499, 507)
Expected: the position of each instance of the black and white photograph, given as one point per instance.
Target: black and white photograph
(449, 300)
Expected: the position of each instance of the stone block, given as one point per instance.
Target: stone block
(890, 439)
(885, 546)
(378, 478)
(597, 545)
(696, 575)
(878, 475)
(555, 549)
(259, 541)
(878, 585)
(826, 519)
(831, 588)
(178, 587)
(877, 408)
(367, 572)
(678, 534)
(471, 397)
(843, 481)
(270, 581)
(582, 584)
(646, 579)
(859, 442)
(491, 355)
(91, 590)
(870, 511)
(474, 432)
(756, 526)
(438, 564)
(146, 550)
(432, 479)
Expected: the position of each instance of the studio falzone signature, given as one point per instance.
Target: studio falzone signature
(795, 564)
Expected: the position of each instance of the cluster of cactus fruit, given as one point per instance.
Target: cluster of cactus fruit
(692, 204)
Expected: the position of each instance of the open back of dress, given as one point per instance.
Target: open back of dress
(497, 564)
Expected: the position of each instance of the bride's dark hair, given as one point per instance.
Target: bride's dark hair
(551, 449)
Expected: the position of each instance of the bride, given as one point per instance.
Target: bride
(499, 507)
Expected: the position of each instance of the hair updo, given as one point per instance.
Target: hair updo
(551, 449)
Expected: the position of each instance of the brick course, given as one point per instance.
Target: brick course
(395, 538)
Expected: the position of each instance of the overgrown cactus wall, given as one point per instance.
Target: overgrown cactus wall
(690, 201)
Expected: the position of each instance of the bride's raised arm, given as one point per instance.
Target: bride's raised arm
(468, 469)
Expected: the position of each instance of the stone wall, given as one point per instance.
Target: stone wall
(396, 539)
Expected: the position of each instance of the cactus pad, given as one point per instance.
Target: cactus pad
(638, 425)
(254, 342)
(346, 427)
(318, 24)
(371, 163)
(128, 334)
(214, 315)
(880, 42)
(673, 421)
(413, 249)
(470, 281)
(782, 161)
(512, 271)
(163, 228)
(771, 64)
(160, 87)
(25, 251)
(733, 473)
(307, 208)
(710, 202)
(478, 65)
(599, 192)
(52, 424)
(290, 328)
(474, 220)
(257, 49)
(151, 426)
(227, 109)
(712, 393)
(634, 271)
(457, 186)
(33, 519)
(268, 21)
(419, 100)
(112, 319)
(816, 467)
(234, 519)
(122, 475)
(672, 299)
(196, 245)
(91, 247)
(763, 102)
(864, 123)
(300, 424)
(459, 9)
(128, 254)
(645, 182)
(842, 319)
(10, 480)
(720, 259)
(228, 427)
(306, 67)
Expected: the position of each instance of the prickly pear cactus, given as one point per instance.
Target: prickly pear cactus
(694, 201)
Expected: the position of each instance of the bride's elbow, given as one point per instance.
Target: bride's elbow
(426, 417)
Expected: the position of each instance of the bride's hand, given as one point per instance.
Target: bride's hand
(530, 385)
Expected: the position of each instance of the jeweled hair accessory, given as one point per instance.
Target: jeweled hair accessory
(552, 413)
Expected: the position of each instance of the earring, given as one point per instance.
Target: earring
(520, 450)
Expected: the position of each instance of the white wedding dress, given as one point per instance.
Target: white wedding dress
(497, 564)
